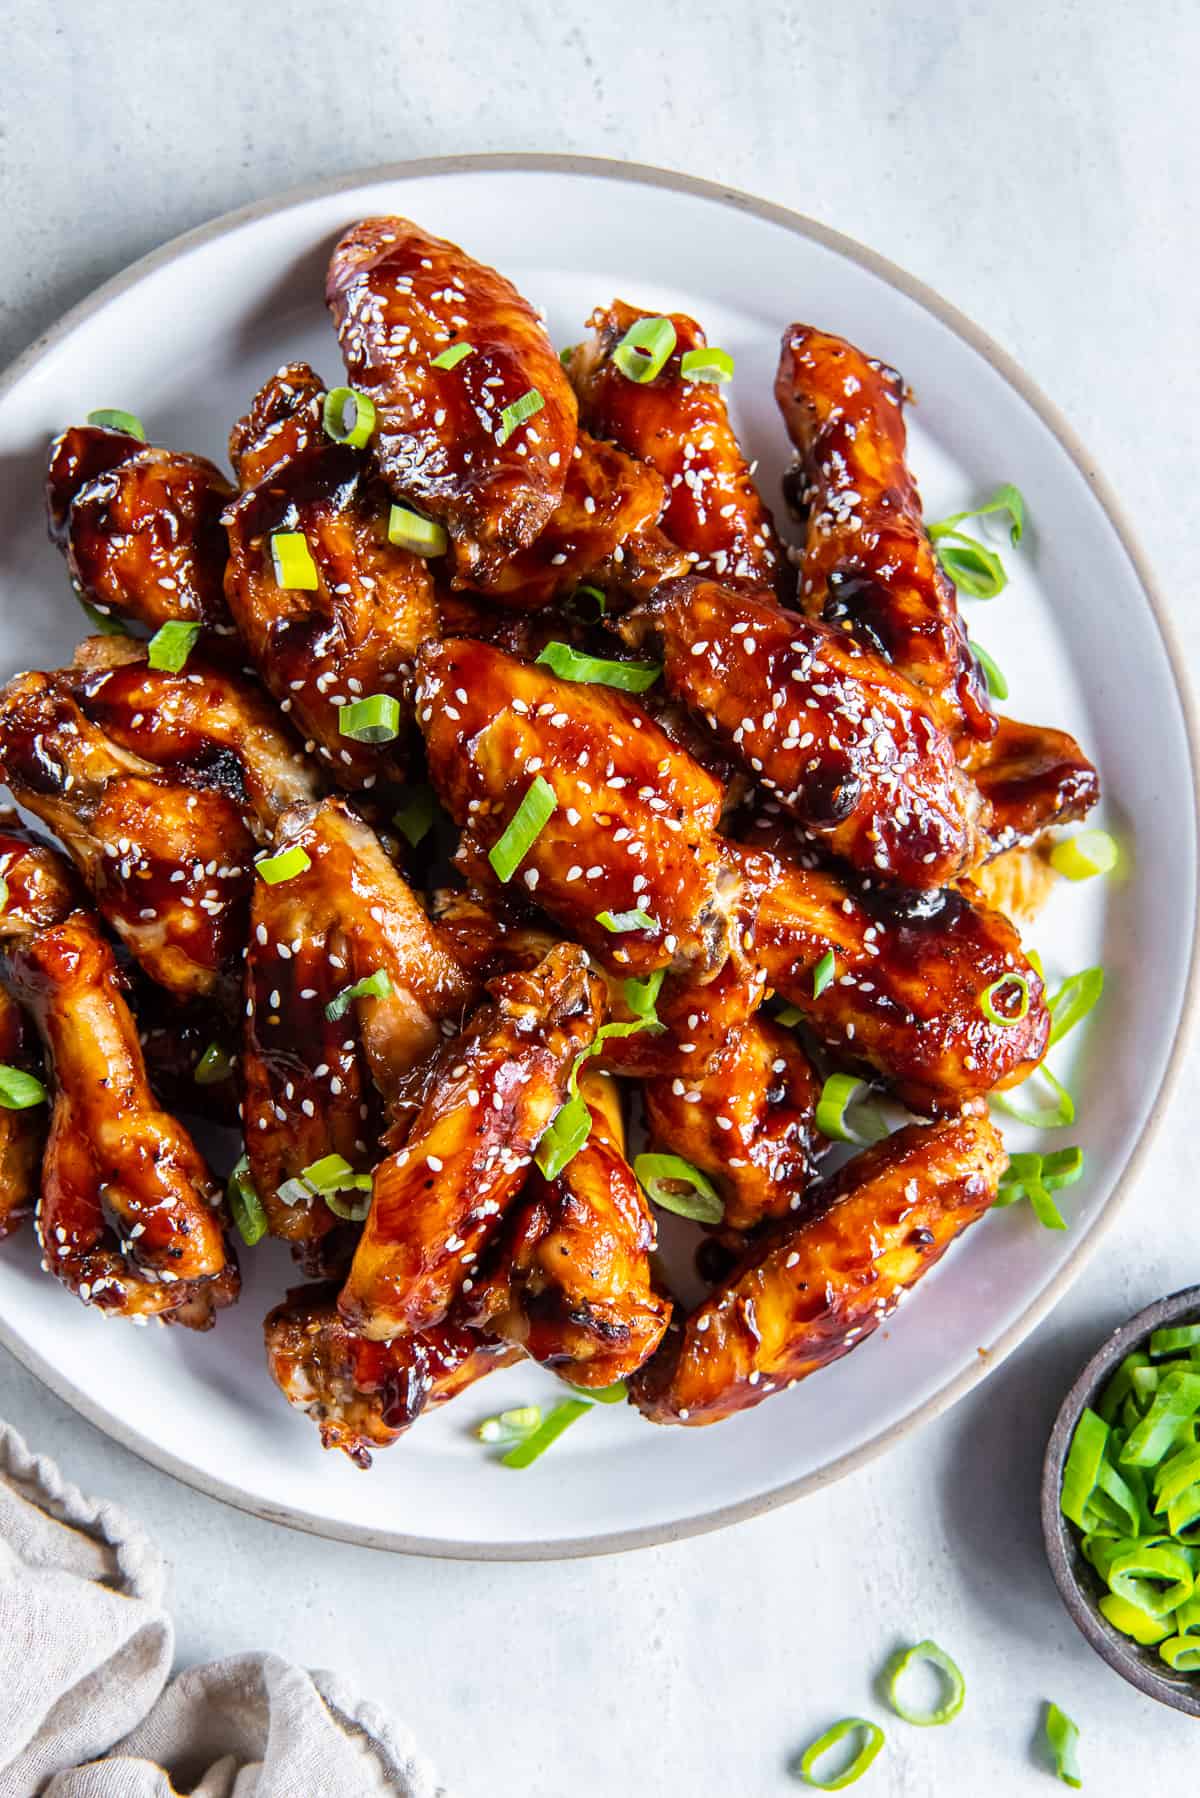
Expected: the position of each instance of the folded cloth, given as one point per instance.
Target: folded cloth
(86, 1710)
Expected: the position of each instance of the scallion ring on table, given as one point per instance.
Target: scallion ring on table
(955, 1686)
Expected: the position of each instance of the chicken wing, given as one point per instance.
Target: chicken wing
(354, 635)
(315, 1085)
(681, 428)
(911, 970)
(438, 1202)
(1033, 778)
(633, 825)
(446, 440)
(749, 1122)
(814, 1288)
(869, 566)
(571, 1282)
(129, 1217)
(140, 527)
(846, 744)
(363, 1395)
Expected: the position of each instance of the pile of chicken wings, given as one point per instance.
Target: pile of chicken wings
(777, 800)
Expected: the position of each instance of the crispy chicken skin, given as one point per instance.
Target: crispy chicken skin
(439, 1201)
(869, 565)
(399, 299)
(363, 1395)
(682, 429)
(308, 1079)
(1033, 778)
(749, 1122)
(910, 972)
(571, 1283)
(354, 635)
(129, 1217)
(140, 527)
(635, 815)
(846, 744)
(814, 1288)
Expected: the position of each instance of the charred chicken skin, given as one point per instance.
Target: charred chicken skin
(446, 441)
(140, 527)
(812, 1289)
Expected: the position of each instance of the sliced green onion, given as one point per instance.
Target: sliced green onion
(1035, 1177)
(824, 974)
(1156, 1576)
(103, 622)
(570, 664)
(348, 416)
(410, 530)
(284, 866)
(414, 819)
(213, 1066)
(1005, 499)
(997, 686)
(347, 1209)
(523, 829)
(1120, 1385)
(565, 355)
(548, 1431)
(1182, 1653)
(619, 922)
(616, 1394)
(645, 349)
(1063, 1737)
(375, 719)
(1174, 1475)
(1087, 853)
(975, 570)
(19, 1090)
(1072, 1002)
(333, 1173)
(373, 986)
(872, 1742)
(171, 645)
(111, 418)
(956, 1688)
(990, 994)
(595, 593)
(563, 1138)
(516, 414)
(641, 996)
(1131, 1620)
(294, 1192)
(294, 566)
(1179, 1339)
(708, 364)
(1176, 1401)
(838, 1094)
(3, 894)
(510, 1426)
(677, 1186)
(1082, 1470)
(245, 1206)
(789, 1015)
(1045, 1117)
(450, 358)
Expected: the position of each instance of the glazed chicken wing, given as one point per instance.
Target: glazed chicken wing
(438, 1202)
(363, 1395)
(681, 428)
(315, 1085)
(633, 824)
(844, 742)
(354, 635)
(445, 440)
(140, 527)
(1032, 778)
(814, 1288)
(571, 1283)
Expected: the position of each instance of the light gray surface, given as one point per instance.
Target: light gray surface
(1033, 162)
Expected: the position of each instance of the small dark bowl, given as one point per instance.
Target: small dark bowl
(1078, 1582)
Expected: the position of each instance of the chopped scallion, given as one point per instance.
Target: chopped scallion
(839, 1093)
(620, 921)
(997, 686)
(570, 664)
(293, 562)
(451, 357)
(1063, 1737)
(510, 1426)
(1073, 1001)
(412, 531)
(708, 364)
(245, 1206)
(348, 416)
(517, 414)
(523, 829)
(171, 645)
(19, 1090)
(870, 1739)
(824, 974)
(955, 1692)
(548, 1431)
(1086, 854)
(993, 996)
(375, 719)
(213, 1066)
(285, 866)
(111, 418)
(675, 1185)
(414, 819)
(373, 986)
(645, 349)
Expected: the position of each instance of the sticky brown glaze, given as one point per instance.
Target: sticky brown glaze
(140, 527)
(438, 1201)
(399, 298)
(602, 532)
(1033, 778)
(129, 1217)
(571, 1283)
(363, 1395)
(869, 566)
(175, 1036)
(22, 1133)
(40, 886)
(845, 744)
(316, 1086)
(910, 973)
(635, 815)
(682, 429)
(353, 636)
(749, 1122)
(816, 1288)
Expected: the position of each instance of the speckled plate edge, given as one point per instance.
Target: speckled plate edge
(642, 175)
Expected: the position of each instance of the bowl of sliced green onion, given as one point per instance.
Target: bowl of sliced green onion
(1121, 1501)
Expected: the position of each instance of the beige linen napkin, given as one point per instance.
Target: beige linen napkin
(85, 1654)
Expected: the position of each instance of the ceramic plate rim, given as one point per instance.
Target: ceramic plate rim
(618, 1541)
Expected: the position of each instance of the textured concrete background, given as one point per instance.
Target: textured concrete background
(1036, 163)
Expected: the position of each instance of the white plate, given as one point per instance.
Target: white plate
(183, 339)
